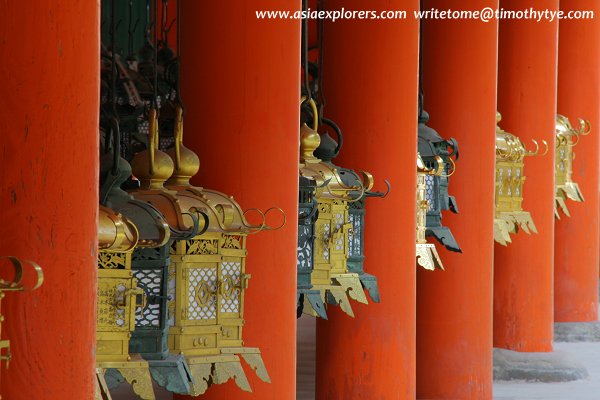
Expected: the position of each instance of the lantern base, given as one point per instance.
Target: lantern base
(570, 190)
(444, 236)
(218, 369)
(506, 223)
(559, 203)
(369, 282)
(102, 392)
(428, 258)
(172, 373)
(136, 372)
(352, 285)
(311, 299)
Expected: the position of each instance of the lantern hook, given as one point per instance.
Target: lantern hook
(452, 170)
(585, 127)
(381, 195)
(338, 133)
(533, 152)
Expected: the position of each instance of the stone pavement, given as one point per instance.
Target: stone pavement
(587, 389)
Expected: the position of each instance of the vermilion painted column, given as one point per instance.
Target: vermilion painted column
(523, 271)
(241, 88)
(370, 81)
(454, 308)
(49, 193)
(576, 244)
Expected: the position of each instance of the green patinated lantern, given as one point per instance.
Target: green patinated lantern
(307, 216)
(432, 145)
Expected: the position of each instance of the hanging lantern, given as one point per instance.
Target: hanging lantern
(16, 284)
(566, 138)
(307, 216)
(339, 237)
(427, 255)
(432, 145)
(510, 177)
(207, 281)
(153, 167)
(118, 299)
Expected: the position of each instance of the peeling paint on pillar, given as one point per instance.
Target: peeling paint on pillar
(48, 192)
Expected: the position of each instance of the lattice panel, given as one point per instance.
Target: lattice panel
(202, 293)
(430, 194)
(354, 243)
(339, 223)
(304, 260)
(151, 281)
(171, 292)
(519, 184)
(326, 237)
(231, 273)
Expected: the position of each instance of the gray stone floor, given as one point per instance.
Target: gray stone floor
(587, 353)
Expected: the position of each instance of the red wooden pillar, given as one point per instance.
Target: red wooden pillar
(523, 271)
(577, 238)
(49, 118)
(370, 81)
(241, 89)
(454, 308)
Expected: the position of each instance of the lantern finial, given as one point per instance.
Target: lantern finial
(187, 163)
(309, 137)
(152, 166)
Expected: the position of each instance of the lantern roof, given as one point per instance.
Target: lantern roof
(508, 146)
(115, 232)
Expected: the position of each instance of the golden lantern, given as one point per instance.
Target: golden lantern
(118, 299)
(509, 216)
(208, 279)
(566, 139)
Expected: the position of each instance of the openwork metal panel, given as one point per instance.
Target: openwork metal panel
(305, 248)
(431, 193)
(150, 280)
(354, 236)
(231, 273)
(202, 293)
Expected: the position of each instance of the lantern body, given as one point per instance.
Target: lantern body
(432, 145)
(510, 178)
(206, 286)
(566, 139)
(426, 254)
(118, 299)
(150, 268)
(307, 215)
